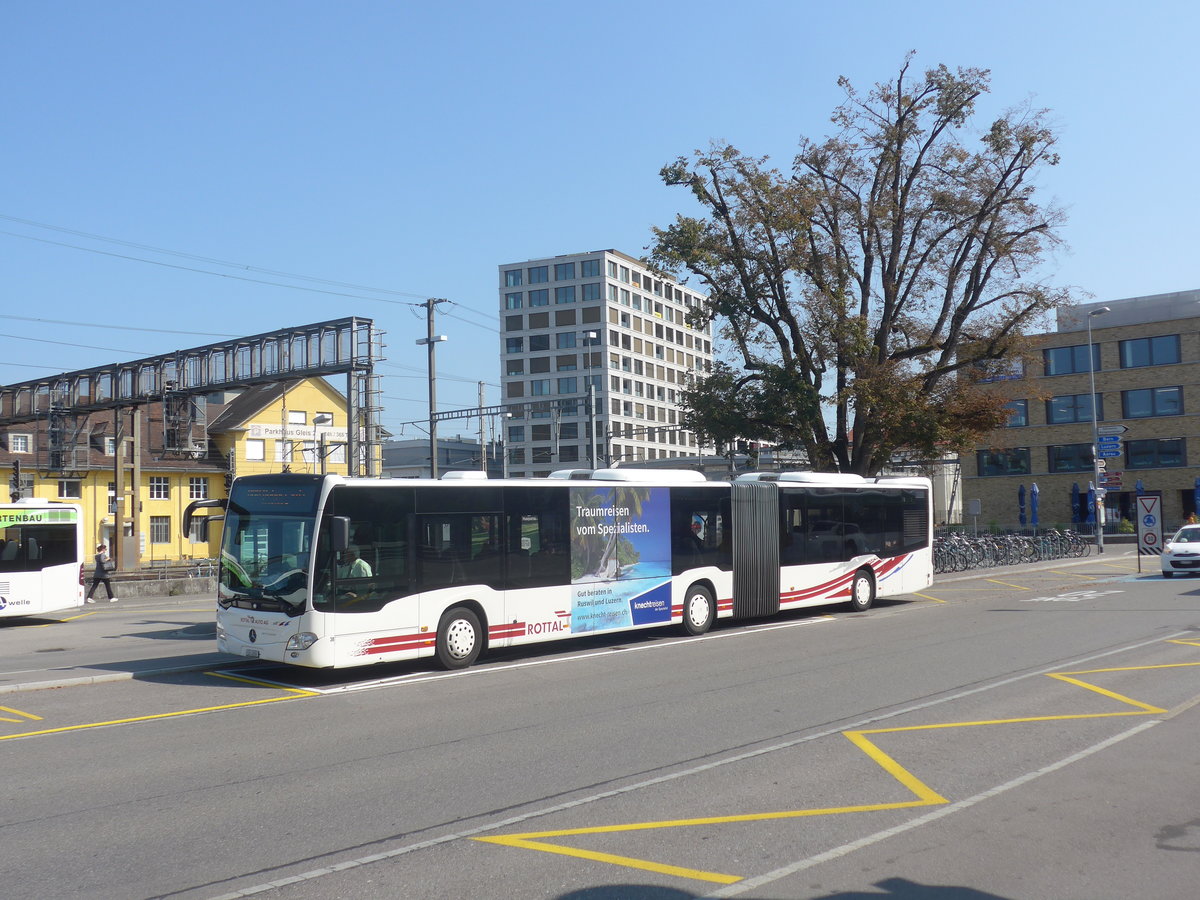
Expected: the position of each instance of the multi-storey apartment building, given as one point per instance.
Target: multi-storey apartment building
(1145, 361)
(601, 321)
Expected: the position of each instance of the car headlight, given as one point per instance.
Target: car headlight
(301, 641)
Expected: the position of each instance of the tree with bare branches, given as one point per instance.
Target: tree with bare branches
(871, 291)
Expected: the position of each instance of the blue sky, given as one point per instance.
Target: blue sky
(409, 149)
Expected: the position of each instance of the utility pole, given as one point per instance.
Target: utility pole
(482, 447)
(431, 341)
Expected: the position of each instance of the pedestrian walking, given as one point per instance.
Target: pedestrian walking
(100, 574)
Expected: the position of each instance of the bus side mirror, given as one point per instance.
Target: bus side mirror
(340, 533)
(201, 522)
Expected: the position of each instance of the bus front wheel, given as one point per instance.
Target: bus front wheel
(459, 639)
(699, 610)
(862, 591)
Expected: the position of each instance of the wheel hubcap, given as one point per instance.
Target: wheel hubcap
(460, 638)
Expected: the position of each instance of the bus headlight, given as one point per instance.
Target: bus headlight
(301, 641)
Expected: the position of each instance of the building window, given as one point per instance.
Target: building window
(1150, 351)
(1003, 462)
(110, 446)
(589, 268)
(1070, 458)
(516, 389)
(542, 455)
(70, 489)
(565, 340)
(539, 364)
(160, 487)
(593, 291)
(568, 454)
(567, 385)
(20, 443)
(1147, 402)
(539, 387)
(514, 345)
(566, 363)
(160, 529)
(568, 431)
(1073, 408)
(1154, 454)
(612, 269)
(517, 455)
(564, 294)
(539, 320)
(514, 323)
(512, 301)
(1071, 360)
(540, 297)
(539, 274)
(516, 433)
(512, 278)
(539, 342)
(564, 271)
(539, 433)
(514, 367)
(256, 450)
(197, 488)
(297, 417)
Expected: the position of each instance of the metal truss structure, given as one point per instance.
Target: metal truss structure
(350, 346)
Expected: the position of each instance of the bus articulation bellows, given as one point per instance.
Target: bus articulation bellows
(329, 572)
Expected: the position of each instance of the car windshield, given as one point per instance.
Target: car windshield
(1187, 536)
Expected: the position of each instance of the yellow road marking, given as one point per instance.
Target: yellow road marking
(17, 712)
(928, 597)
(925, 795)
(295, 694)
(1006, 584)
(1075, 575)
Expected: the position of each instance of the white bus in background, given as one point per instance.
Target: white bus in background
(326, 571)
(42, 557)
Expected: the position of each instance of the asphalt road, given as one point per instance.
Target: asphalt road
(1020, 733)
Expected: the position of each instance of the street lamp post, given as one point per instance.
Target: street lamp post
(1099, 510)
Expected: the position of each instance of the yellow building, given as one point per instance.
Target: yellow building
(296, 426)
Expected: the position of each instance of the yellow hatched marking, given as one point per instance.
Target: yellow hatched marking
(294, 694)
(928, 597)
(16, 712)
(925, 795)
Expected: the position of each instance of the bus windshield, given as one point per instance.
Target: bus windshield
(267, 543)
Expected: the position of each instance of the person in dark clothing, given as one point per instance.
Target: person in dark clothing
(100, 575)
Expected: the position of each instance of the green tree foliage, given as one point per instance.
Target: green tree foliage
(871, 290)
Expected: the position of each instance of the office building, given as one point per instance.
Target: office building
(1145, 362)
(602, 321)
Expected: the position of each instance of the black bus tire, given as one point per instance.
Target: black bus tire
(699, 610)
(862, 591)
(459, 638)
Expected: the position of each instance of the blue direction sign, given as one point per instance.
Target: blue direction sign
(1105, 439)
(1109, 452)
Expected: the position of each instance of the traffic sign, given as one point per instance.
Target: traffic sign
(1107, 439)
(1112, 429)
(1149, 526)
(1107, 453)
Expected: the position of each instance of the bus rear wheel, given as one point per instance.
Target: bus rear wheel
(699, 610)
(459, 639)
(862, 591)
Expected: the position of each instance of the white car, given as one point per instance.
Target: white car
(1182, 552)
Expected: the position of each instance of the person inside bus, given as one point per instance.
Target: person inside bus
(353, 565)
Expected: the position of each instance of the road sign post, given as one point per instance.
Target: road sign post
(1149, 527)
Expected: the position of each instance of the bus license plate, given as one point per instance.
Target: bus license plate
(252, 653)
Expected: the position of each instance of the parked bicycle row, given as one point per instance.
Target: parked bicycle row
(958, 552)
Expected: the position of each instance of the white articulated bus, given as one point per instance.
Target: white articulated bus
(327, 571)
(41, 557)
